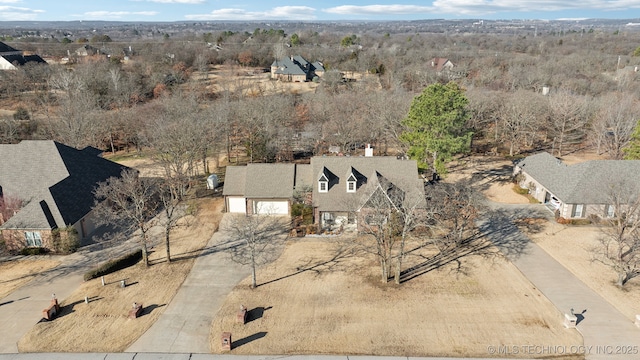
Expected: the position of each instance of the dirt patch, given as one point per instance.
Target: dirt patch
(17, 273)
(571, 246)
(102, 325)
(491, 175)
(312, 302)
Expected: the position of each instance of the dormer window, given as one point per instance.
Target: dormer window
(323, 184)
(352, 184)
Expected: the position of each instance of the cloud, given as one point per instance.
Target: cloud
(114, 14)
(18, 13)
(480, 7)
(395, 9)
(281, 12)
(175, 1)
(483, 7)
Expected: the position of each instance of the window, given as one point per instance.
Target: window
(351, 186)
(351, 183)
(33, 238)
(322, 186)
(609, 211)
(578, 210)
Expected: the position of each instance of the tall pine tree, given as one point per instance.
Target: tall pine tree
(436, 126)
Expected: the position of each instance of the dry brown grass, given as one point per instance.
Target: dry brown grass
(341, 307)
(102, 325)
(571, 246)
(16, 273)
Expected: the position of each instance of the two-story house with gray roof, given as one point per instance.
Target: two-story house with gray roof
(296, 69)
(55, 184)
(340, 186)
(578, 190)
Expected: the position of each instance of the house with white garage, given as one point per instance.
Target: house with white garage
(579, 190)
(259, 188)
(339, 186)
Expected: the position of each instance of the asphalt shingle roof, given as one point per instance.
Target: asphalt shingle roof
(402, 173)
(277, 181)
(269, 181)
(4, 48)
(55, 180)
(583, 183)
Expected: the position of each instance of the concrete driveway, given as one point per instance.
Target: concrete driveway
(184, 326)
(607, 334)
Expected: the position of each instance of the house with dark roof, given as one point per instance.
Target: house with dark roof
(10, 58)
(578, 190)
(296, 69)
(340, 186)
(55, 185)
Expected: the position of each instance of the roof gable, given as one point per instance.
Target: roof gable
(62, 177)
(402, 173)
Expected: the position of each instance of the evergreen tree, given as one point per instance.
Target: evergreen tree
(632, 150)
(436, 126)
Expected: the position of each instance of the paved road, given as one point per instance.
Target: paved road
(20, 310)
(185, 325)
(606, 332)
(164, 356)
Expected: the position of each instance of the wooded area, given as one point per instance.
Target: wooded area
(159, 99)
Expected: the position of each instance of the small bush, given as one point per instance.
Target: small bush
(580, 222)
(66, 241)
(21, 114)
(34, 251)
(114, 265)
(519, 190)
(562, 220)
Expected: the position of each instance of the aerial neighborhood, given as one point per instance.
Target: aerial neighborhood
(426, 188)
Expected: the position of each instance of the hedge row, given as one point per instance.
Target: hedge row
(114, 265)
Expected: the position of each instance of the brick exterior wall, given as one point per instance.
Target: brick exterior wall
(15, 240)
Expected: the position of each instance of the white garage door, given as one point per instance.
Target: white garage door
(237, 205)
(272, 207)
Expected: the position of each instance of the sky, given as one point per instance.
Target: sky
(253, 10)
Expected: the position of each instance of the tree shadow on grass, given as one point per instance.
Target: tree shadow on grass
(342, 252)
(495, 231)
(248, 339)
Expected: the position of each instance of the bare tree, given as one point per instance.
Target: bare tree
(568, 119)
(612, 128)
(128, 203)
(173, 208)
(619, 244)
(258, 240)
(388, 216)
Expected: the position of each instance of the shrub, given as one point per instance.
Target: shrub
(33, 251)
(114, 265)
(580, 222)
(21, 114)
(562, 220)
(519, 190)
(303, 210)
(65, 241)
